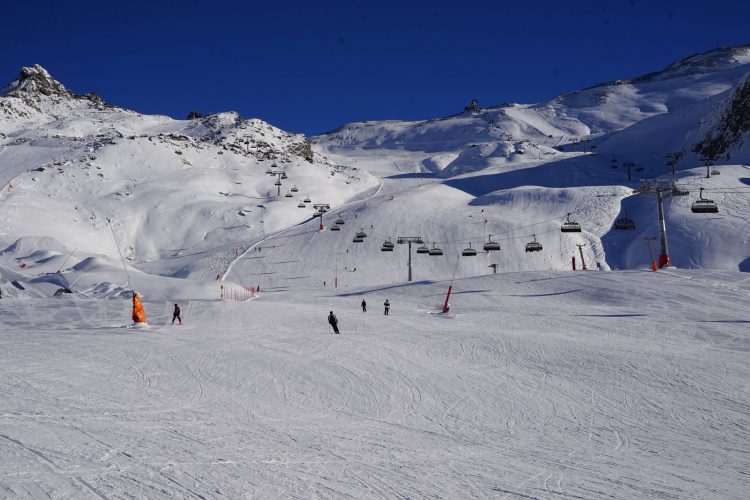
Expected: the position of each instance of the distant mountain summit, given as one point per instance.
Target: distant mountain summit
(35, 80)
(36, 93)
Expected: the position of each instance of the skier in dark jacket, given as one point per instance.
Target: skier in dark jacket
(333, 322)
(176, 314)
(387, 306)
(364, 306)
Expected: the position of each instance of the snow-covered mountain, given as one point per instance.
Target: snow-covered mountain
(538, 383)
(184, 196)
(188, 198)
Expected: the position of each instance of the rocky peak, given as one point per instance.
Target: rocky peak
(34, 81)
(729, 125)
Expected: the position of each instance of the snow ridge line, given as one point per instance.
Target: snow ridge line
(284, 231)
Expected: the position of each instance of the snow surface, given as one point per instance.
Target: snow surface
(539, 385)
(540, 382)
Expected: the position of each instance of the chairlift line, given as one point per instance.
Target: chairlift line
(534, 246)
(570, 226)
(469, 251)
(704, 205)
(387, 246)
(491, 245)
(625, 223)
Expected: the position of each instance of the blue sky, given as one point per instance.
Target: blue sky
(310, 66)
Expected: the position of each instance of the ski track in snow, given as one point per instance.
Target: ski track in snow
(546, 396)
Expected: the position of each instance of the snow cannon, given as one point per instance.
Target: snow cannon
(139, 315)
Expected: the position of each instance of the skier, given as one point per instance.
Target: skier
(387, 306)
(176, 314)
(333, 322)
(364, 306)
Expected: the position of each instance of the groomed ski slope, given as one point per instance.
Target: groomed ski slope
(537, 385)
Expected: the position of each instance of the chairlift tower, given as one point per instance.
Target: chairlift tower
(278, 181)
(409, 240)
(649, 240)
(580, 250)
(629, 165)
(662, 188)
(321, 208)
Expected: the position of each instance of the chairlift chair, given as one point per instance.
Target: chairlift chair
(387, 246)
(269, 171)
(468, 252)
(339, 221)
(288, 195)
(704, 206)
(294, 189)
(533, 246)
(625, 223)
(715, 172)
(301, 205)
(361, 233)
(335, 228)
(356, 239)
(435, 250)
(284, 176)
(570, 226)
(678, 191)
(423, 249)
(277, 183)
(307, 200)
(491, 245)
